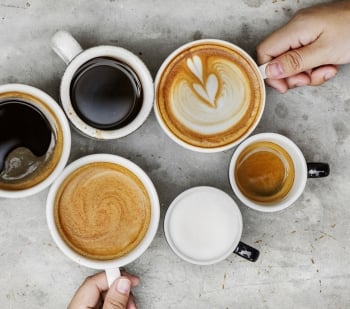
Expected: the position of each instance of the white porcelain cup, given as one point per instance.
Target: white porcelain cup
(203, 226)
(110, 266)
(209, 95)
(75, 57)
(22, 175)
(302, 171)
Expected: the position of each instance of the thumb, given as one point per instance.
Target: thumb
(295, 61)
(118, 294)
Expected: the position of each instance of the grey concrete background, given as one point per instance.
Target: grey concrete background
(305, 249)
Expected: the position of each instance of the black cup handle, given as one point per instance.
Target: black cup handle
(247, 252)
(317, 169)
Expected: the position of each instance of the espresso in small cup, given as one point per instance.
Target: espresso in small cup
(34, 141)
(264, 172)
(103, 212)
(268, 172)
(106, 91)
(210, 95)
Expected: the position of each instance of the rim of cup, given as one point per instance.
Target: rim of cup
(145, 242)
(300, 168)
(53, 107)
(199, 190)
(166, 62)
(118, 53)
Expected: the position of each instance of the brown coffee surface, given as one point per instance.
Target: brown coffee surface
(210, 95)
(264, 172)
(102, 211)
(23, 169)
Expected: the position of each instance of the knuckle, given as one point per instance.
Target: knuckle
(115, 302)
(294, 60)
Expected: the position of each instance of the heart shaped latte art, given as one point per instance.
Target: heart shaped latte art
(208, 90)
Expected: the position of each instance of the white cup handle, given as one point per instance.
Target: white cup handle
(262, 69)
(112, 274)
(65, 46)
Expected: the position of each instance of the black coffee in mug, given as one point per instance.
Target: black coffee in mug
(25, 139)
(106, 94)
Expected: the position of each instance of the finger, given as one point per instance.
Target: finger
(118, 294)
(298, 60)
(279, 84)
(131, 302)
(89, 293)
(290, 36)
(322, 74)
(298, 80)
(135, 280)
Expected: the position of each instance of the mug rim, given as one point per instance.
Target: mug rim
(53, 107)
(118, 53)
(177, 251)
(298, 161)
(134, 253)
(164, 65)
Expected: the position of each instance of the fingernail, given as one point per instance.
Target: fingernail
(329, 75)
(123, 286)
(273, 70)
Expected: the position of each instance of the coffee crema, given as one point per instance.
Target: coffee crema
(264, 172)
(102, 210)
(210, 95)
(31, 141)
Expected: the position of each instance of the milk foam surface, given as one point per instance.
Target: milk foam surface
(214, 103)
(204, 226)
(210, 95)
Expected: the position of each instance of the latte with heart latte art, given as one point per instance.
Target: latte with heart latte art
(209, 95)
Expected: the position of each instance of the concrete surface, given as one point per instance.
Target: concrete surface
(304, 261)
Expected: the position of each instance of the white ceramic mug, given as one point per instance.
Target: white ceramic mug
(75, 57)
(59, 149)
(203, 226)
(217, 97)
(110, 266)
(302, 171)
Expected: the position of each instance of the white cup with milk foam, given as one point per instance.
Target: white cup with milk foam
(203, 226)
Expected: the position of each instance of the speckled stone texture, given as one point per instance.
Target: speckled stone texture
(304, 260)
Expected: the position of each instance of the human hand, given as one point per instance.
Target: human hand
(95, 294)
(307, 50)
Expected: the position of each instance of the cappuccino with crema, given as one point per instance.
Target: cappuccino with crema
(209, 95)
(102, 210)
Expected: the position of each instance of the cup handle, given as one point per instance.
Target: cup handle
(247, 252)
(112, 274)
(262, 69)
(65, 46)
(317, 169)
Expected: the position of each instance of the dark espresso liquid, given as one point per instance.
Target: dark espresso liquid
(106, 94)
(24, 127)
